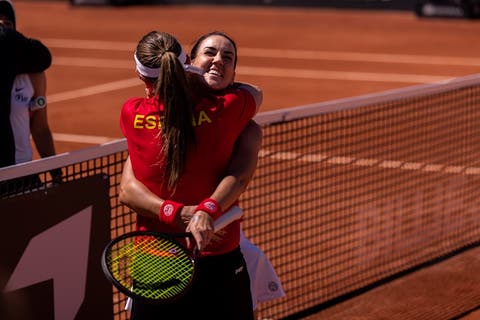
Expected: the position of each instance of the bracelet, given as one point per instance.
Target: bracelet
(211, 207)
(168, 211)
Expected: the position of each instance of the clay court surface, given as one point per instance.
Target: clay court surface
(298, 56)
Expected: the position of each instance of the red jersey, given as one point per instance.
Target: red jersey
(218, 122)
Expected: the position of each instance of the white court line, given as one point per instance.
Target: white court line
(340, 75)
(284, 53)
(272, 72)
(89, 91)
(94, 62)
(89, 44)
(384, 164)
(359, 56)
(81, 138)
(314, 158)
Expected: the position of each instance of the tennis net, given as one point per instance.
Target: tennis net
(347, 193)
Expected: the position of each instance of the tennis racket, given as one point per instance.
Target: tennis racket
(153, 266)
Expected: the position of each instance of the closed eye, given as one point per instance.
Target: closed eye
(211, 52)
(228, 57)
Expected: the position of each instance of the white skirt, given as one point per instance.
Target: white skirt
(264, 282)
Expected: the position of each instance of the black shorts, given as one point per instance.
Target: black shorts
(221, 290)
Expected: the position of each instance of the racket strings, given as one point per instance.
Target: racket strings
(153, 267)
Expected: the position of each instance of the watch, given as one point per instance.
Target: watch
(38, 103)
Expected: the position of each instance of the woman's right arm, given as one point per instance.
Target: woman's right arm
(136, 195)
(242, 166)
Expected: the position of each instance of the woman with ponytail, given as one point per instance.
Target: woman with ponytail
(180, 140)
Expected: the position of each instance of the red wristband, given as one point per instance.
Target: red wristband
(168, 211)
(211, 207)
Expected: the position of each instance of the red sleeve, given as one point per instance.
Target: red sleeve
(242, 104)
(250, 104)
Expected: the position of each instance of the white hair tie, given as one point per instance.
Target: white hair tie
(154, 72)
(145, 71)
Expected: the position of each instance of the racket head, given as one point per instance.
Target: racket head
(149, 266)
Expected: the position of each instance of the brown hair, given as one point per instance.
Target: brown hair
(160, 50)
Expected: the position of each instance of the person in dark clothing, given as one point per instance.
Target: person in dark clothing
(18, 54)
(28, 116)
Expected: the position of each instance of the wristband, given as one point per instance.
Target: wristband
(211, 207)
(168, 211)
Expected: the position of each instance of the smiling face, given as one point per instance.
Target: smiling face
(216, 55)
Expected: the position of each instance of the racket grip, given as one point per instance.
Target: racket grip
(234, 213)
